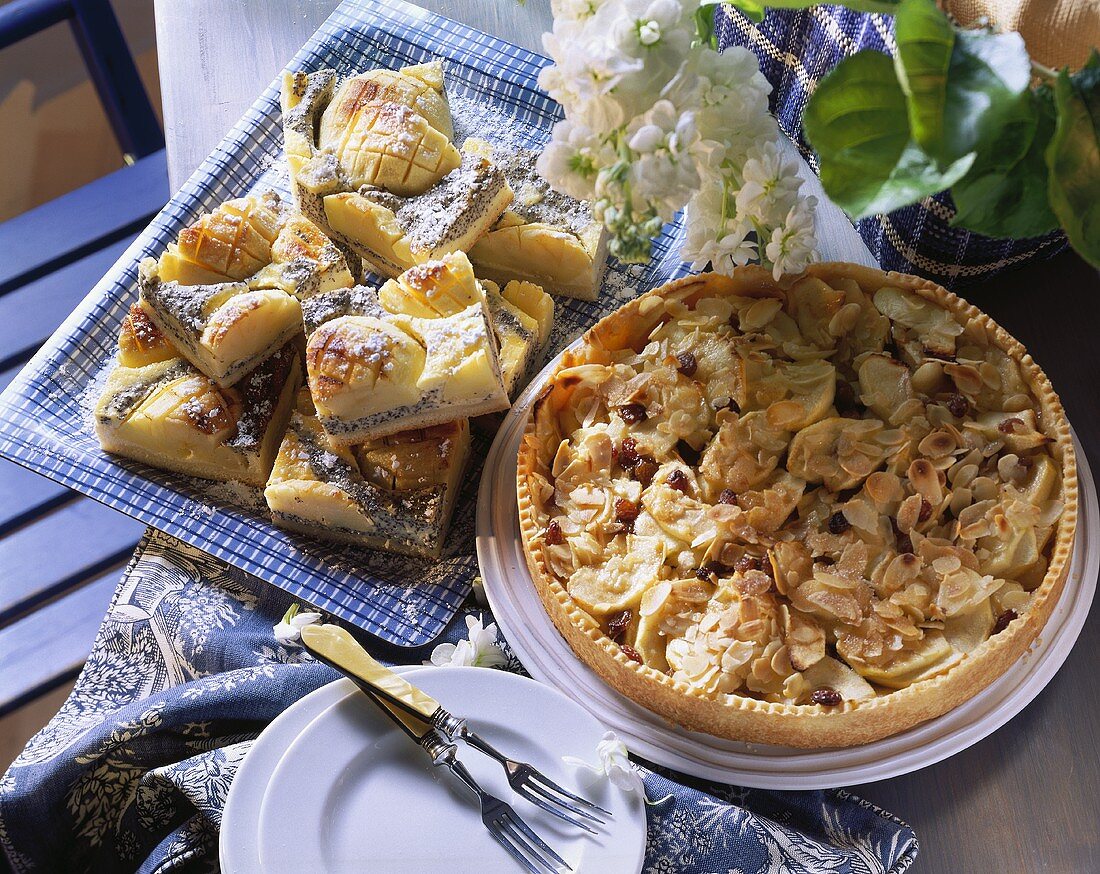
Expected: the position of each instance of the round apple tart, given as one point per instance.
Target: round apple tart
(812, 512)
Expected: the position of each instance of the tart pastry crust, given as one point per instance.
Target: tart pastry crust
(854, 510)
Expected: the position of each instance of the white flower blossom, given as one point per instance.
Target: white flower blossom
(793, 244)
(649, 33)
(589, 78)
(479, 650)
(570, 12)
(572, 158)
(770, 186)
(614, 764)
(663, 172)
(289, 630)
(656, 120)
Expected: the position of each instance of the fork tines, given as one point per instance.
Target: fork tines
(521, 842)
(545, 782)
(542, 797)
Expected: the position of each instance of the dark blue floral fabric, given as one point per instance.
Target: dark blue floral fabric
(133, 772)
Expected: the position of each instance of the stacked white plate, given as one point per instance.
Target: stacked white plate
(548, 658)
(332, 786)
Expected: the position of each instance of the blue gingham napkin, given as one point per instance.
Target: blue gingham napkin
(46, 414)
(133, 772)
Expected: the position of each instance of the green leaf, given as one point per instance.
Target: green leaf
(704, 23)
(1073, 157)
(987, 93)
(856, 120)
(925, 39)
(1009, 198)
(752, 9)
(966, 89)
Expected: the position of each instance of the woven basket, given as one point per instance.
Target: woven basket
(796, 49)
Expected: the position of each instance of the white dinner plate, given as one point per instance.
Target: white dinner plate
(547, 657)
(238, 850)
(350, 793)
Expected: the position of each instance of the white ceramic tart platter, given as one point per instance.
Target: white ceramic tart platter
(812, 512)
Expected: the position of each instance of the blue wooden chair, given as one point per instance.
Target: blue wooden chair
(60, 554)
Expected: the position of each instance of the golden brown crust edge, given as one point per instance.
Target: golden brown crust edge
(805, 726)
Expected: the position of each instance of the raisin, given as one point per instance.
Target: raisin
(632, 413)
(554, 535)
(679, 481)
(726, 404)
(1003, 621)
(902, 541)
(686, 364)
(645, 469)
(845, 398)
(711, 569)
(925, 511)
(617, 624)
(627, 453)
(1010, 425)
(688, 453)
(747, 563)
(626, 511)
(958, 406)
(838, 523)
(1025, 462)
(728, 496)
(825, 560)
(631, 653)
(826, 697)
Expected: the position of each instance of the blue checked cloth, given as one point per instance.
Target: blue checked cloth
(133, 772)
(796, 48)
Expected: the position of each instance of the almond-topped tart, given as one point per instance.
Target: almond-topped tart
(812, 513)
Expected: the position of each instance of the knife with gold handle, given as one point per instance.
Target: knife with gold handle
(421, 715)
(337, 648)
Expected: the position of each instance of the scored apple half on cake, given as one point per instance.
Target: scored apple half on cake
(372, 163)
(545, 237)
(226, 294)
(163, 412)
(813, 512)
(419, 351)
(395, 493)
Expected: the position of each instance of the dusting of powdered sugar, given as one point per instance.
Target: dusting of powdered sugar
(486, 121)
(234, 494)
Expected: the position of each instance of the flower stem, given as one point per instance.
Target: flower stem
(1043, 71)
